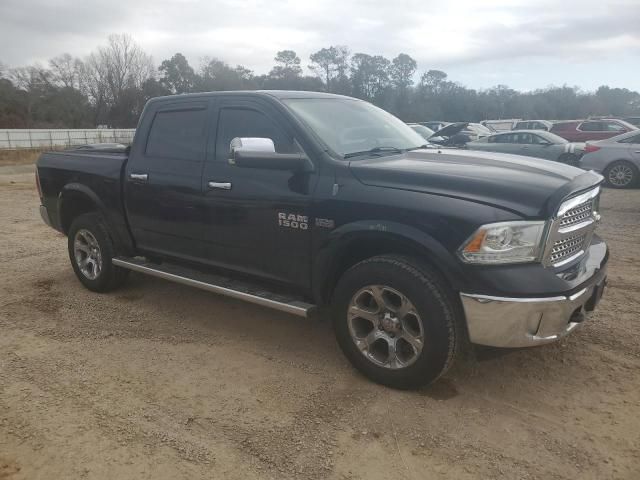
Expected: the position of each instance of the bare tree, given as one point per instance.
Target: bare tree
(65, 70)
(125, 63)
(110, 75)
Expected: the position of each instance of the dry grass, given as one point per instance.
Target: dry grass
(19, 157)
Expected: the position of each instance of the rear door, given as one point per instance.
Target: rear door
(163, 180)
(499, 143)
(244, 207)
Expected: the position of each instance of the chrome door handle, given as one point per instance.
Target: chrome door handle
(143, 177)
(220, 185)
(637, 151)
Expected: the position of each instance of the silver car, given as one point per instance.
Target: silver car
(617, 158)
(532, 143)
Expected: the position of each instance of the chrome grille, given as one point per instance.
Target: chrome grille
(578, 214)
(567, 247)
(571, 230)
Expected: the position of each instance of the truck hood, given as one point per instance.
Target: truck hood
(530, 187)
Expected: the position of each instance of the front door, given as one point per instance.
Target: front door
(256, 220)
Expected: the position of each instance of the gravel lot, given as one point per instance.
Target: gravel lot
(161, 381)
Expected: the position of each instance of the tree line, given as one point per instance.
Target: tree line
(111, 85)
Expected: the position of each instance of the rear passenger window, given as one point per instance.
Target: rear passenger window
(243, 122)
(591, 126)
(178, 134)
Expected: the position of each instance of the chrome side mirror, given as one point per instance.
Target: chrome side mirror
(252, 144)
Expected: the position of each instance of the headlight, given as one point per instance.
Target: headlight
(504, 242)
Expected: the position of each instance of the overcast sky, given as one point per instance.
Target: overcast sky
(525, 44)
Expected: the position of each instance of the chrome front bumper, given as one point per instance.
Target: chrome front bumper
(526, 322)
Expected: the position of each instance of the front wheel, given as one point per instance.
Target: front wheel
(91, 251)
(395, 321)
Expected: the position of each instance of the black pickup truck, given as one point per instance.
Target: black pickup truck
(307, 202)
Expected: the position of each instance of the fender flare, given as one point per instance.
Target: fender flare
(78, 189)
(82, 190)
(329, 255)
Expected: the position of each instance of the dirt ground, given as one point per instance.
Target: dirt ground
(19, 157)
(161, 381)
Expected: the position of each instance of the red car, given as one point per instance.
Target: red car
(583, 130)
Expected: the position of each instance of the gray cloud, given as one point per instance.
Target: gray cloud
(438, 34)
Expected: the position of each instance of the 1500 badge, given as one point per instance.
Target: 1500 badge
(291, 220)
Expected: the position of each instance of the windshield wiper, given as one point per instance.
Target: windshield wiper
(374, 151)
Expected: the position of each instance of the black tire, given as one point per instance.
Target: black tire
(433, 302)
(109, 277)
(621, 164)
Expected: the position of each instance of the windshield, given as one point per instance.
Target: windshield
(349, 127)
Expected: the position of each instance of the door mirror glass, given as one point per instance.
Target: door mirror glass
(252, 144)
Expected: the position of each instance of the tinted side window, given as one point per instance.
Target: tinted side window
(244, 122)
(178, 134)
(591, 126)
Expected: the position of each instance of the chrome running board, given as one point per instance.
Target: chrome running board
(218, 284)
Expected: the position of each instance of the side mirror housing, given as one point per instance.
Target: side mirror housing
(260, 153)
(253, 144)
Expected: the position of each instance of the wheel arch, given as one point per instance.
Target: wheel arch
(76, 199)
(353, 243)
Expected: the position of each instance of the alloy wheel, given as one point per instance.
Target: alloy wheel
(620, 175)
(87, 254)
(385, 326)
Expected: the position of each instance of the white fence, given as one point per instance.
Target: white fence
(13, 139)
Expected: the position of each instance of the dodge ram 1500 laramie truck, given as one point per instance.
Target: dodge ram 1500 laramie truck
(301, 201)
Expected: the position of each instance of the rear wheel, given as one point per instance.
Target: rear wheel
(621, 174)
(91, 251)
(395, 321)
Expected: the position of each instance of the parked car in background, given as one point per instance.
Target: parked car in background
(532, 143)
(456, 133)
(633, 121)
(503, 125)
(583, 130)
(476, 131)
(452, 135)
(424, 132)
(617, 158)
(534, 125)
(434, 125)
